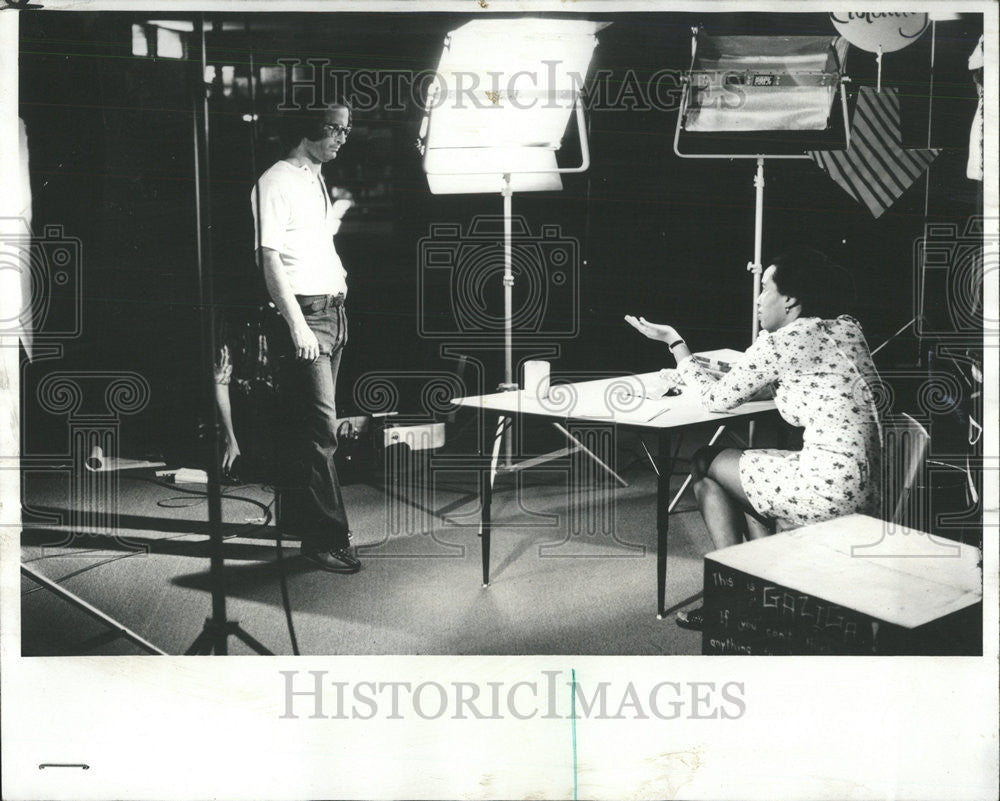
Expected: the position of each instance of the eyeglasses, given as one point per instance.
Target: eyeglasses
(334, 128)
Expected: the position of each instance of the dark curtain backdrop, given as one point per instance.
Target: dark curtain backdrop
(667, 238)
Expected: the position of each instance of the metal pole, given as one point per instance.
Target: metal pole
(921, 289)
(508, 312)
(593, 456)
(688, 479)
(253, 81)
(508, 288)
(756, 267)
(758, 240)
(206, 301)
(91, 610)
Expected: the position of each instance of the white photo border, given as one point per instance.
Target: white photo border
(797, 727)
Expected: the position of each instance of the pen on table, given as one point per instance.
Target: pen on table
(662, 411)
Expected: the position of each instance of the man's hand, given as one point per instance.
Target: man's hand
(660, 333)
(305, 343)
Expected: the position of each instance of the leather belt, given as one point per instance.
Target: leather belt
(317, 303)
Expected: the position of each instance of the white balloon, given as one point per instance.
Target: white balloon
(875, 31)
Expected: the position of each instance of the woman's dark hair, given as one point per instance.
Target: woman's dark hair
(307, 123)
(821, 286)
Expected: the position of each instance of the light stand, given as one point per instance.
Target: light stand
(478, 150)
(734, 65)
(508, 385)
(748, 76)
(214, 637)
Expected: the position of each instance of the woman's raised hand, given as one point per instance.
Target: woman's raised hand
(661, 333)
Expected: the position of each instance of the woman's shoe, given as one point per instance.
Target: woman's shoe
(340, 560)
(693, 619)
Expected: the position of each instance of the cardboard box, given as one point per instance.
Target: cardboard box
(854, 585)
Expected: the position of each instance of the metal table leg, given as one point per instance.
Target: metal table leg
(664, 466)
(486, 495)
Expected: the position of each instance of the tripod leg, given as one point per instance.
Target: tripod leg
(248, 640)
(203, 644)
(607, 469)
(687, 481)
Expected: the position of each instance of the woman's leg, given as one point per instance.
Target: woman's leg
(719, 507)
(728, 513)
(725, 470)
(757, 527)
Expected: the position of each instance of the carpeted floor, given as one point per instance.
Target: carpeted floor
(570, 575)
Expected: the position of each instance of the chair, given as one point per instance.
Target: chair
(904, 445)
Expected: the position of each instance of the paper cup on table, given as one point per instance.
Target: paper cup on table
(536, 379)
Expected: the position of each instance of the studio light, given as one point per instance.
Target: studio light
(500, 102)
(764, 83)
(497, 109)
(775, 91)
(496, 113)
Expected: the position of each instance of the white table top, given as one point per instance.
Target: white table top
(628, 400)
(898, 575)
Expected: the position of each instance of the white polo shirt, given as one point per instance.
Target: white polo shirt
(296, 219)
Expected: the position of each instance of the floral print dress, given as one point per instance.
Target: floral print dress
(823, 380)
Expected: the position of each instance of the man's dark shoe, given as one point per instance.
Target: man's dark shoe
(339, 560)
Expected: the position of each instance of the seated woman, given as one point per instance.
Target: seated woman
(822, 376)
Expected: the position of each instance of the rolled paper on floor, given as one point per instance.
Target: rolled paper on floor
(96, 459)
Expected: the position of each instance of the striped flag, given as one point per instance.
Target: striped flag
(876, 169)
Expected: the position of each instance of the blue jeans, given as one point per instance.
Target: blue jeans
(309, 503)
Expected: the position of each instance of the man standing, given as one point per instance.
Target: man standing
(295, 222)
